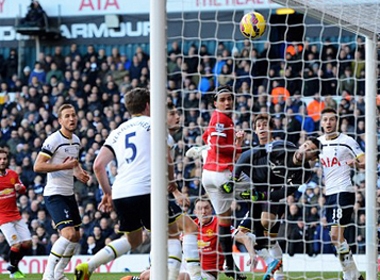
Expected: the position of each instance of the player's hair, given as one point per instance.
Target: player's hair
(204, 198)
(64, 107)
(170, 106)
(330, 110)
(4, 151)
(316, 142)
(136, 100)
(264, 117)
(223, 89)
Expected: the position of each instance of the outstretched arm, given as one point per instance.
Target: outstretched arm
(104, 157)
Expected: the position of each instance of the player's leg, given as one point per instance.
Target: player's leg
(15, 240)
(221, 203)
(64, 216)
(190, 245)
(268, 221)
(25, 238)
(131, 211)
(71, 233)
(339, 211)
(174, 250)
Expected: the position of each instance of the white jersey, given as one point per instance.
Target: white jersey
(130, 143)
(333, 157)
(58, 147)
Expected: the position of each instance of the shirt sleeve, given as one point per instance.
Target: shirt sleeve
(49, 146)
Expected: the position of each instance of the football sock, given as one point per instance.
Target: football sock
(55, 255)
(175, 257)
(66, 257)
(110, 252)
(347, 262)
(225, 242)
(191, 255)
(264, 254)
(15, 256)
(275, 251)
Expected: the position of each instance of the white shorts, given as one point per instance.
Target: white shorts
(16, 232)
(211, 181)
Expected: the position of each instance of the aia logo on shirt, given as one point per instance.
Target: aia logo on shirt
(330, 162)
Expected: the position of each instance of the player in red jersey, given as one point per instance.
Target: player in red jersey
(224, 147)
(13, 227)
(211, 256)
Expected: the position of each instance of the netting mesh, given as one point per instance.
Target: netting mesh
(301, 65)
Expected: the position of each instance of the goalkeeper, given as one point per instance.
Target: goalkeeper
(276, 169)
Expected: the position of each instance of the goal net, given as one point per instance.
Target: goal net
(313, 55)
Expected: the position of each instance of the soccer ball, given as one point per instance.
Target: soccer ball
(252, 25)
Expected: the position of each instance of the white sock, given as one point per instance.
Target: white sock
(350, 271)
(264, 254)
(56, 254)
(191, 255)
(110, 252)
(175, 258)
(275, 251)
(66, 257)
(343, 248)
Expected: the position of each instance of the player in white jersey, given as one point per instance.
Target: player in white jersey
(59, 159)
(185, 223)
(129, 145)
(339, 153)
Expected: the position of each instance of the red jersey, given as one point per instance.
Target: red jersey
(8, 197)
(211, 258)
(220, 136)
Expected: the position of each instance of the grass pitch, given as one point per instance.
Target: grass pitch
(118, 276)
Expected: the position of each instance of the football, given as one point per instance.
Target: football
(252, 25)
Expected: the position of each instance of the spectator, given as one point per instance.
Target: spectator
(37, 249)
(39, 73)
(4, 248)
(35, 15)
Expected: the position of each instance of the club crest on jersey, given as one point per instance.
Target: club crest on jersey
(219, 127)
(330, 162)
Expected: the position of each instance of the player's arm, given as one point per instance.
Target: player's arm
(172, 185)
(80, 174)
(19, 186)
(248, 239)
(222, 143)
(105, 156)
(358, 162)
(43, 164)
(181, 199)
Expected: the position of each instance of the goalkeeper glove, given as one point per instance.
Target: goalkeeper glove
(228, 187)
(253, 195)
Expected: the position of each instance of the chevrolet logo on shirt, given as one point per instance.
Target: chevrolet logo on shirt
(7, 191)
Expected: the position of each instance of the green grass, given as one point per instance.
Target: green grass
(117, 276)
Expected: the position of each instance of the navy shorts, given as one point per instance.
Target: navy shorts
(63, 210)
(133, 212)
(339, 208)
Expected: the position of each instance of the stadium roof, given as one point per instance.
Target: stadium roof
(357, 16)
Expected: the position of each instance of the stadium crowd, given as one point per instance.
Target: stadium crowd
(293, 89)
